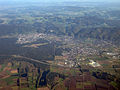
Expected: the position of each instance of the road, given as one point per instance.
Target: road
(18, 56)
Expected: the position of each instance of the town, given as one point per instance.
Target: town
(74, 52)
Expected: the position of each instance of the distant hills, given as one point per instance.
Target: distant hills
(80, 20)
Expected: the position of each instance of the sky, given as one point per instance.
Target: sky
(66, 0)
(6, 2)
(87, 0)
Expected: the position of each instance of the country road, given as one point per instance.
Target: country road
(18, 56)
(34, 60)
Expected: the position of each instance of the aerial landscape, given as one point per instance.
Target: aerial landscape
(59, 45)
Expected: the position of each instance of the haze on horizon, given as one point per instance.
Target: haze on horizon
(59, 0)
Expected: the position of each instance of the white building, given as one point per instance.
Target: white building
(94, 64)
